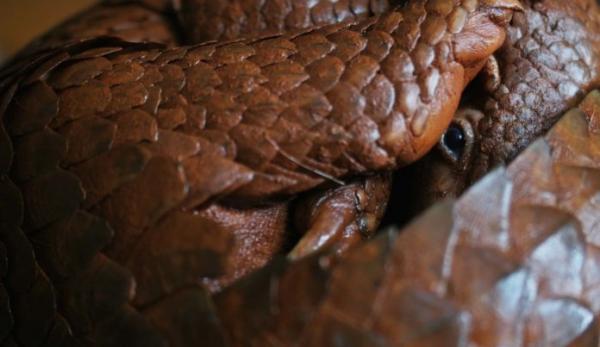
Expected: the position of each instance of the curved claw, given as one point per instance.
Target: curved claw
(339, 218)
(456, 263)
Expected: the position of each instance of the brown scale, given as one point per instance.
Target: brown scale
(224, 20)
(513, 262)
(550, 60)
(129, 157)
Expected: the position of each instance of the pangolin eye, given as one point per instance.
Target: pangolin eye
(455, 140)
(457, 145)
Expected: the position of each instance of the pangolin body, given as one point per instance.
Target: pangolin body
(513, 262)
(135, 162)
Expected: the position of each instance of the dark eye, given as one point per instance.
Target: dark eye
(455, 140)
(458, 142)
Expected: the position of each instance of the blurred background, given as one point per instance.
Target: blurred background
(23, 20)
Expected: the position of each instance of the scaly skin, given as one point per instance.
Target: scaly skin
(513, 262)
(121, 149)
(158, 22)
(198, 21)
(549, 61)
(168, 23)
(229, 19)
(347, 133)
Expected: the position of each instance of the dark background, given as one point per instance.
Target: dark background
(22, 20)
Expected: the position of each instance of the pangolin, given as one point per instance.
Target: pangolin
(550, 60)
(512, 262)
(141, 173)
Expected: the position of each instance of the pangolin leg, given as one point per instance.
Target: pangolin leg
(502, 266)
(116, 144)
(339, 218)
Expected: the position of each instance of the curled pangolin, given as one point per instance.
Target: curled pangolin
(148, 131)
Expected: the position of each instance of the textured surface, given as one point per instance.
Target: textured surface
(513, 262)
(336, 219)
(550, 60)
(296, 109)
(134, 171)
(222, 20)
(197, 21)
